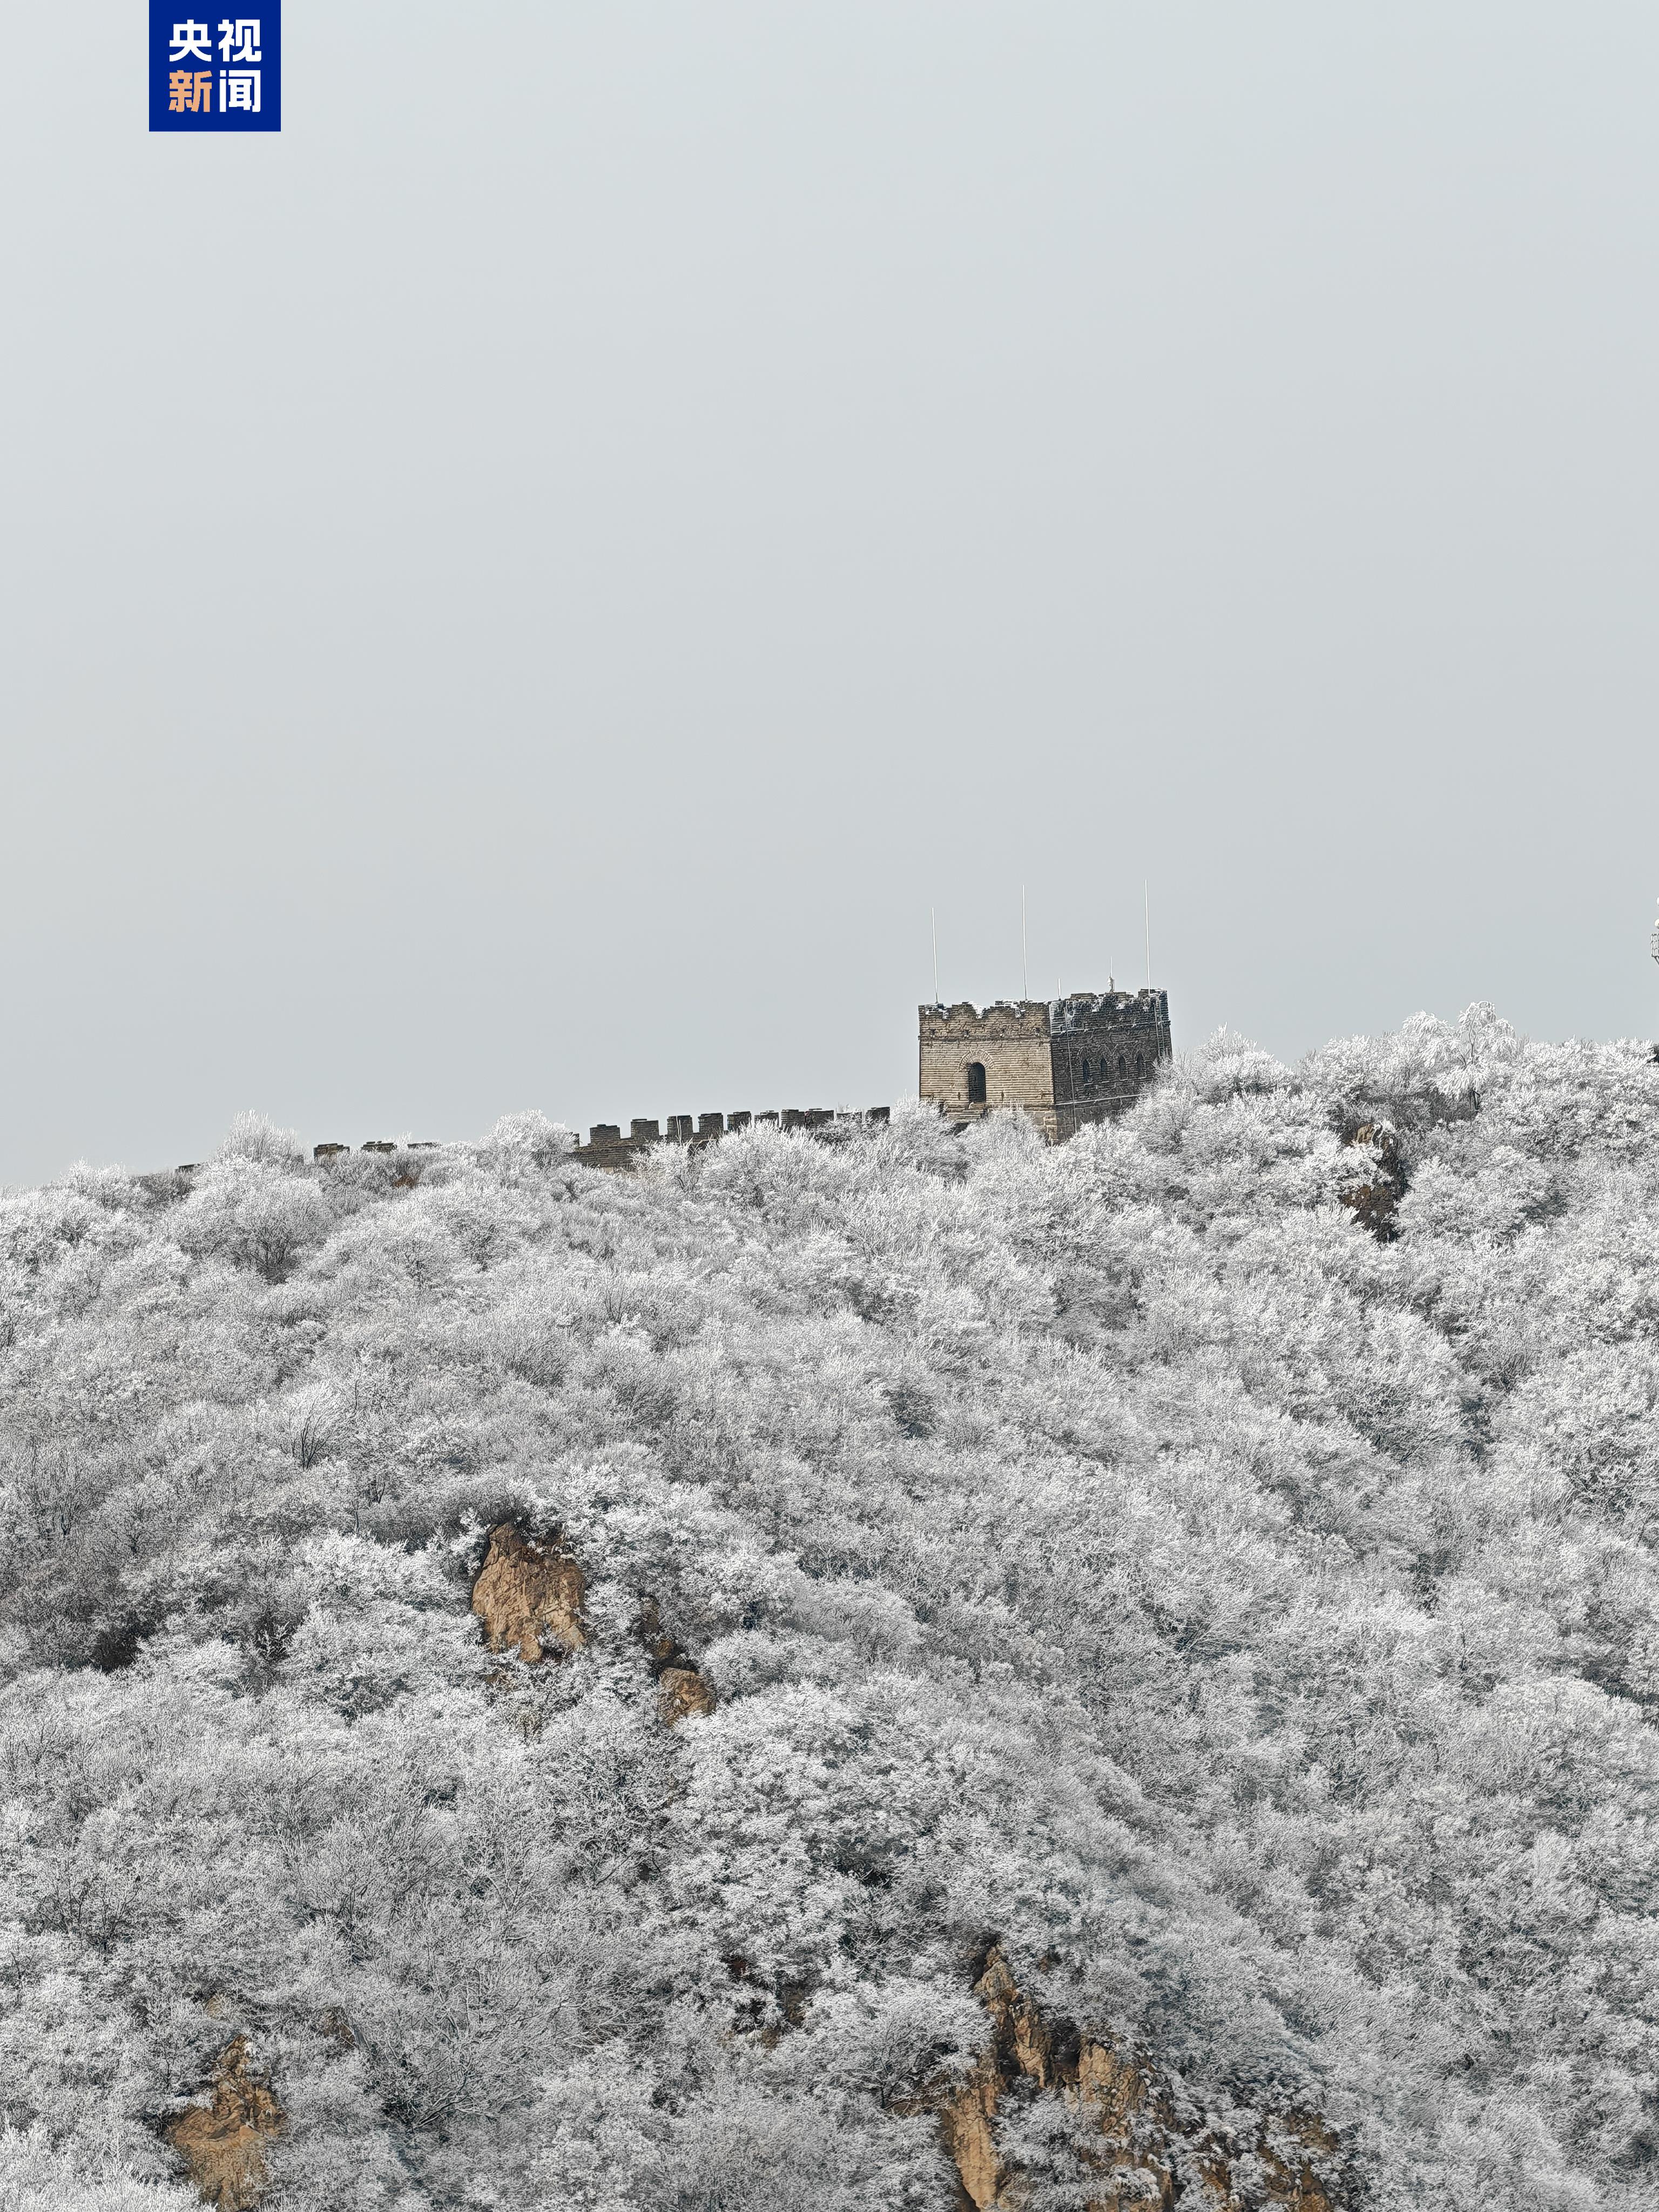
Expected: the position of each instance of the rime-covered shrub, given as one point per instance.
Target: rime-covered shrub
(1242, 1606)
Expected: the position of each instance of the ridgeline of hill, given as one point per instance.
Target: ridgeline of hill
(828, 1676)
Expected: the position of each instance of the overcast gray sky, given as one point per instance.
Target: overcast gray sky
(523, 589)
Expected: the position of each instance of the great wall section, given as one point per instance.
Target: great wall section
(1063, 1062)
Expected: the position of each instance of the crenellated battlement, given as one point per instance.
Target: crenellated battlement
(1063, 1062)
(1003, 1018)
(1042, 1017)
(1092, 1011)
(607, 1147)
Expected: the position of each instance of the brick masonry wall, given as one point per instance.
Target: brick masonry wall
(1009, 1039)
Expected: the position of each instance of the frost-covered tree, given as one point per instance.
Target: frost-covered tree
(1213, 1559)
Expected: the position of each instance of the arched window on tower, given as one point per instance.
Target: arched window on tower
(1141, 1064)
(1122, 1065)
(1088, 1075)
(976, 1083)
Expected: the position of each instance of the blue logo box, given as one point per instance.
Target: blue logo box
(212, 72)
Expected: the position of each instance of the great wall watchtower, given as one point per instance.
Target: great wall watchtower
(1064, 1061)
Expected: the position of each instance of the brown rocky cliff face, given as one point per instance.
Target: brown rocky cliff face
(529, 1593)
(222, 2144)
(1141, 2143)
(681, 1691)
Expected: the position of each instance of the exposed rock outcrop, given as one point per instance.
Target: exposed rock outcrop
(222, 2143)
(681, 1689)
(529, 1594)
(1133, 2134)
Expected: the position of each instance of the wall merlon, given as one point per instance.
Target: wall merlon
(607, 1147)
(1090, 1009)
(1004, 1017)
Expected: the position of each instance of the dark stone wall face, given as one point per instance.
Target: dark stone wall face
(1106, 1051)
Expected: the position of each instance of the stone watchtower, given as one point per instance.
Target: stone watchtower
(1064, 1061)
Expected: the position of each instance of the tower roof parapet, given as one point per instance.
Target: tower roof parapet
(1007, 1019)
(1108, 1010)
(1004, 1017)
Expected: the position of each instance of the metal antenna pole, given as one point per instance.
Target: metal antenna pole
(1024, 968)
(1147, 889)
(934, 918)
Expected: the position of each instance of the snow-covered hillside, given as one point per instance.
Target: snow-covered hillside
(1147, 1598)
